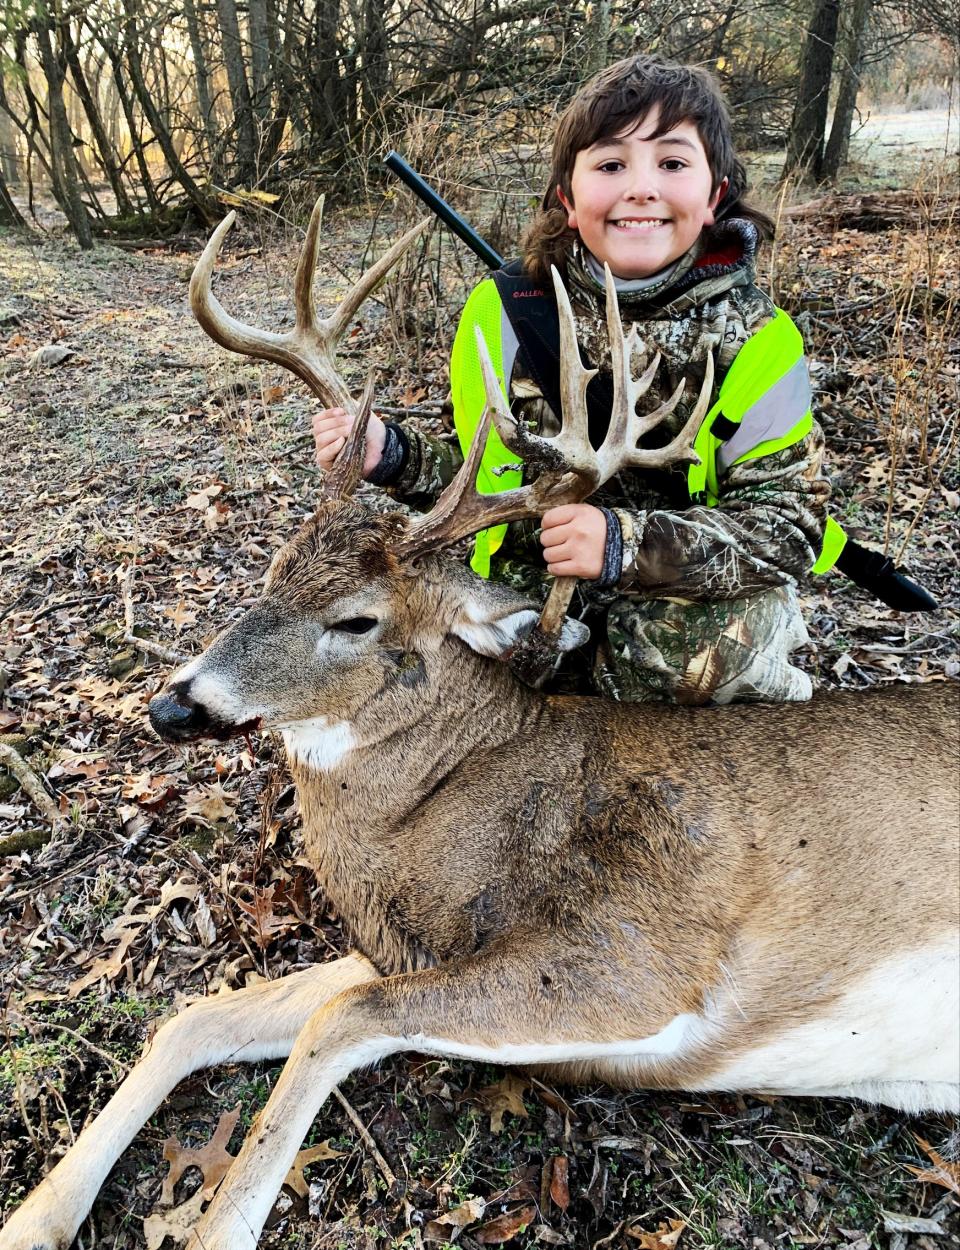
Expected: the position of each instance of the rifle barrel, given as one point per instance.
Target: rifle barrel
(395, 162)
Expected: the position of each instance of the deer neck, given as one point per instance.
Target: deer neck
(361, 782)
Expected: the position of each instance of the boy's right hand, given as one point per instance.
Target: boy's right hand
(331, 426)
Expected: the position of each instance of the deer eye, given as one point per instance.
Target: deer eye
(355, 625)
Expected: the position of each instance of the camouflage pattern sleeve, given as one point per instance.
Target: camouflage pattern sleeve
(429, 466)
(766, 530)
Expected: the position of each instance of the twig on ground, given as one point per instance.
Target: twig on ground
(368, 1141)
(31, 785)
(156, 649)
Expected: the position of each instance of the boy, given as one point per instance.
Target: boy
(688, 582)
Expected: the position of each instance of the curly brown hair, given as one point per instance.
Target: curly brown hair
(614, 101)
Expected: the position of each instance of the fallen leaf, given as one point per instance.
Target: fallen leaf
(266, 924)
(943, 1172)
(177, 1224)
(505, 1227)
(212, 1159)
(203, 923)
(665, 1238)
(109, 966)
(180, 615)
(295, 1178)
(458, 1218)
(208, 804)
(200, 500)
(504, 1098)
(50, 355)
(559, 1181)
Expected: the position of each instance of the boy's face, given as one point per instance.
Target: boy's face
(639, 203)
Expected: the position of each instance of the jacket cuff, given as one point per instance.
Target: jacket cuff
(612, 553)
(632, 525)
(396, 450)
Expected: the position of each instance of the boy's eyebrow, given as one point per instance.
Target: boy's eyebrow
(676, 139)
(616, 140)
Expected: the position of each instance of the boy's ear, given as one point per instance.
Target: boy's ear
(568, 205)
(715, 199)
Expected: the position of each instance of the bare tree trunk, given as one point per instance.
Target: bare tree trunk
(239, 88)
(150, 112)
(260, 76)
(597, 33)
(126, 104)
(201, 76)
(9, 213)
(805, 139)
(376, 66)
(838, 145)
(67, 186)
(104, 148)
(8, 149)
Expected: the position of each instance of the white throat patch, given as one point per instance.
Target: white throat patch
(319, 743)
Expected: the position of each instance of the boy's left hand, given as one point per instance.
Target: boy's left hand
(574, 538)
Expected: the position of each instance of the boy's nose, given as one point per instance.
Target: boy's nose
(643, 190)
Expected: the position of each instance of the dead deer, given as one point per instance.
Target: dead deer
(757, 898)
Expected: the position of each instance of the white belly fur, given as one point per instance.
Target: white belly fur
(893, 1037)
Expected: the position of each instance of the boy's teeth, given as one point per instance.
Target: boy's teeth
(639, 225)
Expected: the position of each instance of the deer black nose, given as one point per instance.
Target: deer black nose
(176, 721)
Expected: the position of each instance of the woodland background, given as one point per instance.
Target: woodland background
(147, 478)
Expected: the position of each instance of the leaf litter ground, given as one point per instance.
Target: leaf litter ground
(146, 459)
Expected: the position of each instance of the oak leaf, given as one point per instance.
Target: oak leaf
(943, 1173)
(665, 1238)
(212, 1159)
(295, 1178)
(504, 1098)
(177, 1224)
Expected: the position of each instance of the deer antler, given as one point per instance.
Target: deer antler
(567, 468)
(309, 349)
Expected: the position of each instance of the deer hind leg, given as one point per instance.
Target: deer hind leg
(261, 1022)
(497, 1008)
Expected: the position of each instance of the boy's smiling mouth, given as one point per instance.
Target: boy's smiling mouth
(639, 223)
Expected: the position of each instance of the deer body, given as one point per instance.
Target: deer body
(749, 898)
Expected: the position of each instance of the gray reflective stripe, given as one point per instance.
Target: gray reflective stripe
(774, 414)
(509, 346)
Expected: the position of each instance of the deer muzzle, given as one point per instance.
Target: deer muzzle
(178, 718)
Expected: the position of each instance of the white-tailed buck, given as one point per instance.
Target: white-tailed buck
(751, 898)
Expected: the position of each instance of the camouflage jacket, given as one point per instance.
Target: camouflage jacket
(767, 527)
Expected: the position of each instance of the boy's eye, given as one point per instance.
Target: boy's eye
(672, 164)
(610, 167)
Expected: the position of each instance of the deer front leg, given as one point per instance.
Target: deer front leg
(257, 1023)
(508, 1008)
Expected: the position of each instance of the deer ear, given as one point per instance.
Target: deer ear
(492, 621)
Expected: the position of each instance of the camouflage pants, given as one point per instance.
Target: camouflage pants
(674, 651)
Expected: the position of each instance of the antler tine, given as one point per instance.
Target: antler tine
(306, 268)
(461, 510)
(341, 479)
(309, 349)
(338, 321)
(680, 450)
(213, 317)
(573, 441)
(627, 427)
